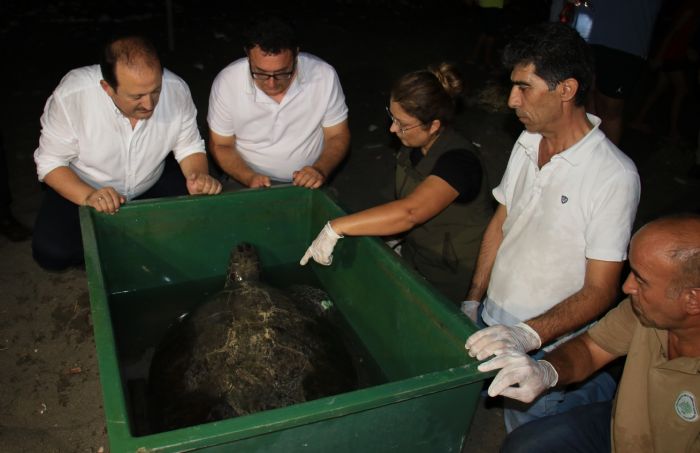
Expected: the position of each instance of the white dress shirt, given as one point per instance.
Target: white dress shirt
(82, 129)
(276, 139)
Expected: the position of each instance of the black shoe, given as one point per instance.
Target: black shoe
(13, 230)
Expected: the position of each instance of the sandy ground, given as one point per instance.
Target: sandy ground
(50, 396)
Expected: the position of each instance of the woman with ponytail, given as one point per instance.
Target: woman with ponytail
(442, 201)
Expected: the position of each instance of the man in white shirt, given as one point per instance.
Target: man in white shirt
(657, 327)
(106, 132)
(552, 254)
(277, 115)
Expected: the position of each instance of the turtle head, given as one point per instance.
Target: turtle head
(244, 265)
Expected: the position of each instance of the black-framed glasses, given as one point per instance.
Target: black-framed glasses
(402, 129)
(277, 75)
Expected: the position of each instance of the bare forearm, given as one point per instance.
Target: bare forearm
(230, 161)
(491, 241)
(432, 196)
(67, 184)
(390, 218)
(577, 359)
(572, 361)
(194, 164)
(335, 148)
(596, 296)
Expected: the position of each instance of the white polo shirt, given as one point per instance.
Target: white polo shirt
(82, 129)
(276, 139)
(579, 205)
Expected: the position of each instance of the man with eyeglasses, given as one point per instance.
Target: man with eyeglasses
(278, 115)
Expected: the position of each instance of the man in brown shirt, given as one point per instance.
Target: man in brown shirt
(657, 327)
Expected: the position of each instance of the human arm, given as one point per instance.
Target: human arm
(597, 294)
(572, 362)
(67, 184)
(336, 141)
(223, 150)
(427, 200)
(491, 241)
(196, 171)
(59, 145)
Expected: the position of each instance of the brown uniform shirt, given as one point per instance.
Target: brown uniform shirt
(656, 406)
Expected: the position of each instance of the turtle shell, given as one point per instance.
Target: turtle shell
(251, 347)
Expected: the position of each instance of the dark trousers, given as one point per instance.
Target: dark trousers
(57, 242)
(5, 197)
(584, 429)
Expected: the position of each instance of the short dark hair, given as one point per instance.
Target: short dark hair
(557, 51)
(129, 50)
(272, 32)
(429, 94)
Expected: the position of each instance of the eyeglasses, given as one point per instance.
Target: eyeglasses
(276, 76)
(402, 129)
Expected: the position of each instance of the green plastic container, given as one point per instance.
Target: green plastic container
(152, 253)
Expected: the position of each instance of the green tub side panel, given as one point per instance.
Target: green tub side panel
(152, 243)
(389, 301)
(414, 334)
(432, 412)
(389, 428)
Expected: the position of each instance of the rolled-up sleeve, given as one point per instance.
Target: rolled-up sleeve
(614, 209)
(615, 331)
(336, 110)
(58, 143)
(189, 140)
(219, 116)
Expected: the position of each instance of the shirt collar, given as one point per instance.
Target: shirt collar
(690, 365)
(574, 154)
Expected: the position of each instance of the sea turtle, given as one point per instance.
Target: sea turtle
(248, 348)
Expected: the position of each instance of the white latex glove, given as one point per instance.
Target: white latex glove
(495, 340)
(533, 377)
(471, 308)
(321, 249)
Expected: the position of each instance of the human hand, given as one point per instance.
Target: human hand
(531, 376)
(321, 249)
(258, 180)
(202, 184)
(309, 177)
(495, 340)
(471, 308)
(104, 199)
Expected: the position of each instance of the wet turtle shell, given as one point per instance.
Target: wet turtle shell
(248, 348)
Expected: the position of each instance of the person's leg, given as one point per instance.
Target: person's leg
(9, 226)
(57, 243)
(5, 196)
(600, 387)
(585, 429)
